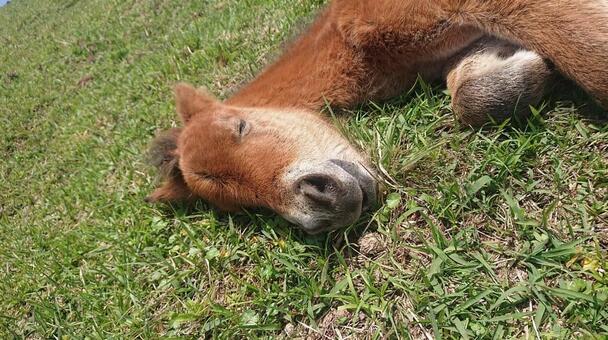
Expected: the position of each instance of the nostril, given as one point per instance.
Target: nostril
(320, 183)
(319, 187)
(365, 201)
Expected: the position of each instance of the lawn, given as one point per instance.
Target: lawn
(498, 233)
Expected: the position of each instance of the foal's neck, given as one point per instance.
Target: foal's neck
(318, 69)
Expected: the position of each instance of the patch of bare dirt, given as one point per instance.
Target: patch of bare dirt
(85, 80)
(372, 244)
(336, 324)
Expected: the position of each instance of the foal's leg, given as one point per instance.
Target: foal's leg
(573, 34)
(495, 80)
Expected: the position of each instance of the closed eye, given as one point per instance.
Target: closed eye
(205, 176)
(209, 178)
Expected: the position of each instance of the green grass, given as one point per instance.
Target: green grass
(500, 233)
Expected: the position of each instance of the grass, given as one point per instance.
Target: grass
(500, 233)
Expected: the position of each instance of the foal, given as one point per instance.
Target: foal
(266, 146)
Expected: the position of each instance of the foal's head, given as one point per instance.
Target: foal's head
(292, 162)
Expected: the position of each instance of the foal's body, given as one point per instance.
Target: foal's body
(491, 52)
(372, 50)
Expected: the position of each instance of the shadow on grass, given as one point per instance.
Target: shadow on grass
(564, 94)
(260, 221)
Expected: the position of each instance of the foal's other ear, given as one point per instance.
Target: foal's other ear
(164, 156)
(190, 101)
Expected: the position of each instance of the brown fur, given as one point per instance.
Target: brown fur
(214, 169)
(373, 49)
(572, 34)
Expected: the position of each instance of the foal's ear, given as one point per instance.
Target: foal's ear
(190, 101)
(163, 155)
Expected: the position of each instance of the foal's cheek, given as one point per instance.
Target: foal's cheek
(172, 190)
